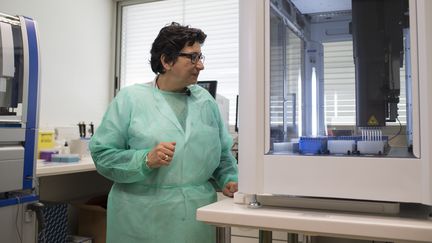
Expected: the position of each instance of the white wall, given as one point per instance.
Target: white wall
(76, 57)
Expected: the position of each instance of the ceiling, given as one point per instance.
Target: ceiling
(319, 6)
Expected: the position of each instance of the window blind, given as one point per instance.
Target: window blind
(339, 86)
(285, 69)
(142, 21)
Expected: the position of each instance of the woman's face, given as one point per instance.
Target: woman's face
(187, 67)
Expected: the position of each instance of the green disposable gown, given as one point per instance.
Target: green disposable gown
(159, 205)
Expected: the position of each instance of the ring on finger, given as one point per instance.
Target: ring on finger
(166, 157)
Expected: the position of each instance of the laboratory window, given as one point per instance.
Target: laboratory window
(140, 21)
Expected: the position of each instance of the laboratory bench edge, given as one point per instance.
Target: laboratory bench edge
(317, 222)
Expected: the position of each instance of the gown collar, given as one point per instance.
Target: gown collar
(164, 108)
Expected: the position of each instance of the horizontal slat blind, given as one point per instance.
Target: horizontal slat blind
(142, 22)
(339, 86)
(339, 83)
(285, 68)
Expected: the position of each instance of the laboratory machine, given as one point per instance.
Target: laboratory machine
(19, 102)
(338, 103)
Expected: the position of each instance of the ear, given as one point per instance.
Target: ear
(167, 66)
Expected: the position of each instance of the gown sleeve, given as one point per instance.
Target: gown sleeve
(109, 145)
(227, 170)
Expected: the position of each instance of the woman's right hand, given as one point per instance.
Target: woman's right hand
(161, 155)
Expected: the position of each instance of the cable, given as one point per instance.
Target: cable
(35, 188)
(42, 236)
(16, 218)
(399, 132)
(37, 208)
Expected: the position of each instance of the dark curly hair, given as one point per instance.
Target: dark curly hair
(170, 41)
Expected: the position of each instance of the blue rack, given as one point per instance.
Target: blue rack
(313, 145)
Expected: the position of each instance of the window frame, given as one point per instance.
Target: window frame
(117, 84)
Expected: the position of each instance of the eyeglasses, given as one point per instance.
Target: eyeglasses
(194, 56)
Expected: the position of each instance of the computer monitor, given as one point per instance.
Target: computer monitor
(210, 86)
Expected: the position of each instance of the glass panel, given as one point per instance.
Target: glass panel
(11, 74)
(337, 86)
(286, 52)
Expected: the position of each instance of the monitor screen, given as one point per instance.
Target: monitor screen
(210, 86)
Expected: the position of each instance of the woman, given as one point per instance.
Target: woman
(160, 143)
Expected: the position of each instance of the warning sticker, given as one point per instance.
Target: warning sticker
(372, 121)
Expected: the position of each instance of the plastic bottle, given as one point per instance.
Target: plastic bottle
(66, 149)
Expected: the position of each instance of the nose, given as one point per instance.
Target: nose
(200, 65)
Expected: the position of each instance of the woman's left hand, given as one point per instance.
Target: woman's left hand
(230, 188)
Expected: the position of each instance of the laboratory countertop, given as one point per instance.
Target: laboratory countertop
(44, 168)
(317, 222)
